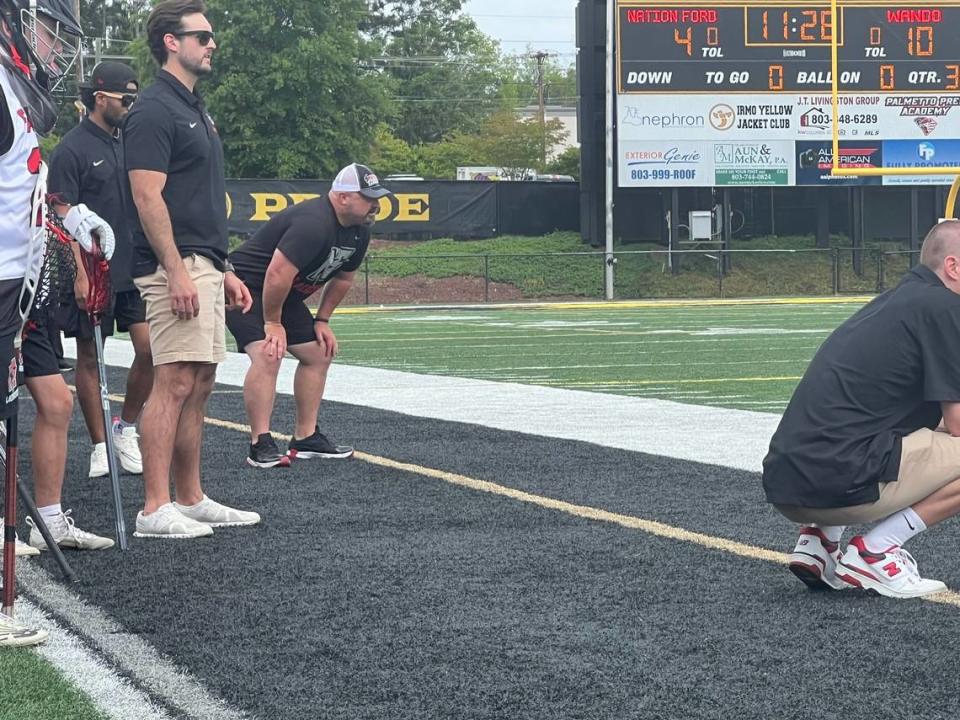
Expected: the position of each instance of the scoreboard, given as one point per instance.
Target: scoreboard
(786, 48)
(742, 90)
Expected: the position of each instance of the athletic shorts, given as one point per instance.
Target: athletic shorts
(13, 374)
(197, 339)
(9, 363)
(928, 461)
(295, 316)
(39, 355)
(126, 309)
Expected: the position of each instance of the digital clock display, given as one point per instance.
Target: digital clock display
(796, 25)
(749, 47)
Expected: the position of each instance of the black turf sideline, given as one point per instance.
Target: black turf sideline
(375, 593)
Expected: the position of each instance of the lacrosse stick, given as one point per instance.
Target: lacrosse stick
(98, 302)
(46, 262)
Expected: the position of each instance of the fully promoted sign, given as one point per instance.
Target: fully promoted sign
(444, 208)
(759, 73)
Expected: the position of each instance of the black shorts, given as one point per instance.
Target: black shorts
(8, 362)
(126, 309)
(38, 353)
(9, 365)
(295, 316)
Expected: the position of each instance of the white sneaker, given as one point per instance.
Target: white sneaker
(22, 549)
(67, 535)
(216, 515)
(168, 522)
(98, 461)
(13, 634)
(892, 573)
(814, 560)
(127, 447)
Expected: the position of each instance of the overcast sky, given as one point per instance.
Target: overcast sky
(538, 24)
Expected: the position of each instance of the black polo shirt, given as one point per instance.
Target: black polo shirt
(311, 238)
(87, 167)
(168, 130)
(880, 376)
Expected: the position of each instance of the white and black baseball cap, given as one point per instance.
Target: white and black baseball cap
(359, 178)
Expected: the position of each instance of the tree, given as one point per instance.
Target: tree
(389, 154)
(287, 90)
(441, 159)
(109, 20)
(442, 69)
(566, 163)
(515, 145)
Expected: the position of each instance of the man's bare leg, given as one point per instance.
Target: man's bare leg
(49, 439)
(140, 376)
(174, 383)
(189, 436)
(309, 381)
(943, 504)
(88, 390)
(260, 389)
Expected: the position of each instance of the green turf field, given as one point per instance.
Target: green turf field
(31, 689)
(746, 356)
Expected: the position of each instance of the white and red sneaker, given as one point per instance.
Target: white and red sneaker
(814, 560)
(892, 573)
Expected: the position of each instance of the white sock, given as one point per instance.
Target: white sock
(832, 532)
(50, 512)
(894, 531)
(119, 424)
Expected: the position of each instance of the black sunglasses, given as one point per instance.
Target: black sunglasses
(126, 99)
(204, 37)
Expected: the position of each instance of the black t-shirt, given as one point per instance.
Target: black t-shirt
(880, 376)
(87, 167)
(310, 237)
(168, 130)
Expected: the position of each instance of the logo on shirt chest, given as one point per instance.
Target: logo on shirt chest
(337, 258)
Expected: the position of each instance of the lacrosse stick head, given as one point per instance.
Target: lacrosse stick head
(98, 277)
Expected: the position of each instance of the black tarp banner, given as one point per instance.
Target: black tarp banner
(418, 208)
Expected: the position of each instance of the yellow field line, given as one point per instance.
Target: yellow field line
(702, 381)
(613, 304)
(651, 527)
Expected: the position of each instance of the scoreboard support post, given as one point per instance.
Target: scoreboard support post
(673, 257)
(727, 232)
(914, 223)
(823, 219)
(609, 260)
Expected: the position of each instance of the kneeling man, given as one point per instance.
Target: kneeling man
(872, 433)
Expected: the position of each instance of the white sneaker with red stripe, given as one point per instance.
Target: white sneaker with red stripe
(814, 560)
(892, 573)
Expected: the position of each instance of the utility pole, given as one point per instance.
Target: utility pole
(541, 58)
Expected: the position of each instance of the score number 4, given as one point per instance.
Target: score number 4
(686, 40)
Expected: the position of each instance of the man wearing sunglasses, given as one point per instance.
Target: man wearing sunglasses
(87, 167)
(174, 159)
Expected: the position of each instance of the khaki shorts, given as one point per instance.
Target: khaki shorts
(199, 339)
(928, 461)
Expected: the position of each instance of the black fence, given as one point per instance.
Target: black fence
(421, 210)
(642, 274)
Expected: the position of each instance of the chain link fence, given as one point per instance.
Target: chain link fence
(639, 274)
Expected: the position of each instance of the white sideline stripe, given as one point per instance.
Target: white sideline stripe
(716, 436)
(114, 696)
(126, 651)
